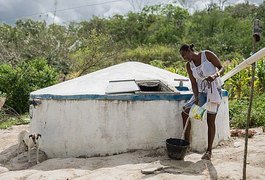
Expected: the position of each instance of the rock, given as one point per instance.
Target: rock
(3, 169)
(20, 162)
(237, 144)
(242, 132)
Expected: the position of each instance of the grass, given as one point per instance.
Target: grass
(7, 121)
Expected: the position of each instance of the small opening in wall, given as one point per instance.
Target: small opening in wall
(153, 86)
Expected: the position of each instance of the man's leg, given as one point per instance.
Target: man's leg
(211, 130)
(211, 135)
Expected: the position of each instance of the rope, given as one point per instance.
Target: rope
(207, 84)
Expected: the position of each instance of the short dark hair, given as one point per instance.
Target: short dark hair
(186, 47)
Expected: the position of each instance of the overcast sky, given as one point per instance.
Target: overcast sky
(77, 10)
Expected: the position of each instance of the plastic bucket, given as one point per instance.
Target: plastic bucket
(177, 148)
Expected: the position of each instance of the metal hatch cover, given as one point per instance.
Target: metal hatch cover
(122, 86)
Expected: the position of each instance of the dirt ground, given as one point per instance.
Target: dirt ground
(226, 162)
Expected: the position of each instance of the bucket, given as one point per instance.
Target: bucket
(177, 148)
(197, 112)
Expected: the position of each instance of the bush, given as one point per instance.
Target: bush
(238, 85)
(261, 75)
(17, 82)
(238, 112)
(149, 53)
(258, 113)
(7, 120)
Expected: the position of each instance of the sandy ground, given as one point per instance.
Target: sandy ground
(226, 163)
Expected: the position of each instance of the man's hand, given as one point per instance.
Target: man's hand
(211, 78)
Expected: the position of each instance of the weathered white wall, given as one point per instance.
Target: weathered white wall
(199, 129)
(72, 128)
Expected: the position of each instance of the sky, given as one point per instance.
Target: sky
(65, 11)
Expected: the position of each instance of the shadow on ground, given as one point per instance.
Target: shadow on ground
(184, 167)
(10, 160)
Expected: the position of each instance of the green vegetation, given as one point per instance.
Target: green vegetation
(238, 112)
(8, 120)
(27, 76)
(34, 55)
(12, 121)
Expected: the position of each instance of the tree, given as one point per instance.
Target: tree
(97, 51)
(26, 77)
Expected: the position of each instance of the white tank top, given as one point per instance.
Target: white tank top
(205, 69)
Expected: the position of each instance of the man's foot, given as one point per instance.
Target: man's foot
(207, 155)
